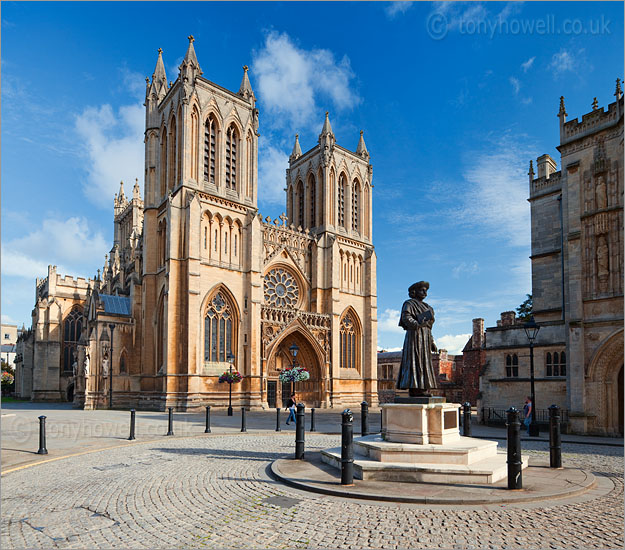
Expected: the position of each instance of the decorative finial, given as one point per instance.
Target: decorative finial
(296, 136)
(618, 91)
(595, 104)
(191, 39)
(160, 50)
(170, 83)
(531, 172)
(361, 132)
(245, 68)
(147, 80)
(327, 113)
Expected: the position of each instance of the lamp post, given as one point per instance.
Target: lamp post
(230, 359)
(293, 349)
(111, 327)
(531, 331)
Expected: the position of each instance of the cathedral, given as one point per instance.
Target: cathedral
(197, 281)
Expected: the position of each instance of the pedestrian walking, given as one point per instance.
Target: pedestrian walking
(527, 413)
(290, 406)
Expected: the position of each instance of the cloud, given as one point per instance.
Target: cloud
(527, 65)
(389, 349)
(453, 343)
(516, 84)
(6, 320)
(389, 321)
(397, 8)
(567, 61)
(470, 268)
(272, 165)
(70, 244)
(458, 14)
(291, 80)
(113, 149)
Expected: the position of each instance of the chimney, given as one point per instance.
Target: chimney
(546, 166)
(508, 318)
(478, 333)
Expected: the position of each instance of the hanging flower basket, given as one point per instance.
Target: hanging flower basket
(233, 377)
(294, 374)
(7, 378)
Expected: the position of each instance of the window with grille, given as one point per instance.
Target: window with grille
(210, 148)
(349, 344)
(231, 157)
(72, 329)
(218, 329)
(341, 201)
(300, 204)
(512, 365)
(555, 364)
(356, 206)
(313, 200)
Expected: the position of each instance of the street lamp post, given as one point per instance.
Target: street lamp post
(531, 330)
(293, 349)
(230, 359)
(112, 327)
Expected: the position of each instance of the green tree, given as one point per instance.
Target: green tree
(524, 311)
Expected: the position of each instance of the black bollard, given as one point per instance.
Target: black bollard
(381, 421)
(555, 441)
(132, 425)
(347, 447)
(300, 428)
(312, 420)
(170, 423)
(364, 418)
(278, 429)
(460, 419)
(243, 420)
(515, 471)
(207, 430)
(466, 420)
(42, 436)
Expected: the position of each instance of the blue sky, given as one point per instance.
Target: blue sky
(454, 100)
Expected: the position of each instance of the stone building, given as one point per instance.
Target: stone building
(577, 281)
(195, 273)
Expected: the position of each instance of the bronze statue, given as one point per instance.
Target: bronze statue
(416, 372)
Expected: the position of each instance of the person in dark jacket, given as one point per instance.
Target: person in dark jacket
(290, 406)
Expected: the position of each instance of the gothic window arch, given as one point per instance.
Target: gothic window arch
(291, 203)
(195, 141)
(210, 149)
(312, 193)
(123, 362)
(340, 202)
(349, 341)
(555, 364)
(171, 161)
(366, 212)
(300, 203)
(331, 194)
(179, 175)
(322, 200)
(219, 331)
(356, 206)
(281, 288)
(72, 329)
(163, 155)
(160, 333)
(232, 145)
(250, 163)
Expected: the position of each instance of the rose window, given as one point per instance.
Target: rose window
(281, 289)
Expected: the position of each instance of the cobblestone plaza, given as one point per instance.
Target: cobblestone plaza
(215, 491)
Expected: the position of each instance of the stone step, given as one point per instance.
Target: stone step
(463, 450)
(486, 471)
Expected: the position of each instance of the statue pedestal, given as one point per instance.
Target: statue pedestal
(435, 423)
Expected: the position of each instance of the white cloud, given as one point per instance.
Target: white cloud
(453, 343)
(389, 321)
(292, 80)
(397, 8)
(464, 268)
(389, 349)
(70, 244)
(458, 14)
(564, 61)
(272, 164)
(516, 84)
(527, 65)
(114, 150)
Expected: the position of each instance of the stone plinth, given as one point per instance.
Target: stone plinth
(420, 424)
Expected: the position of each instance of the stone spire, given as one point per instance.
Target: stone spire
(362, 148)
(121, 192)
(531, 172)
(562, 111)
(562, 117)
(159, 79)
(595, 104)
(245, 89)
(618, 93)
(136, 192)
(326, 141)
(327, 128)
(297, 150)
(190, 68)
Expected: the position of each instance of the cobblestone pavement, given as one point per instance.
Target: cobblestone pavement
(214, 492)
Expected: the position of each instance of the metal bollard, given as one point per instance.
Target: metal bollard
(170, 422)
(460, 419)
(515, 470)
(381, 422)
(466, 420)
(278, 429)
(312, 420)
(300, 428)
(243, 420)
(347, 447)
(364, 418)
(132, 425)
(42, 436)
(207, 430)
(555, 440)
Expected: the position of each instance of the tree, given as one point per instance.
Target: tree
(524, 311)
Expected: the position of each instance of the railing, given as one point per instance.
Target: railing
(498, 416)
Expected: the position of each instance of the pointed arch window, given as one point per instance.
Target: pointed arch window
(72, 329)
(300, 204)
(341, 201)
(123, 363)
(218, 329)
(171, 163)
(349, 342)
(555, 364)
(313, 200)
(210, 149)
(231, 157)
(195, 139)
(163, 161)
(356, 206)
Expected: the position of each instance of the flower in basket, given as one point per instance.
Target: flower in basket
(7, 378)
(294, 374)
(233, 377)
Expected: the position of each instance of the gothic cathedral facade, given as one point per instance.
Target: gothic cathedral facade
(197, 275)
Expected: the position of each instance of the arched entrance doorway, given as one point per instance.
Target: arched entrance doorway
(308, 392)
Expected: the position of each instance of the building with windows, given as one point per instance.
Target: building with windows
(577, 282)
(196, 274)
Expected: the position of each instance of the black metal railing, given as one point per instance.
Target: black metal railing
(494, 417)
